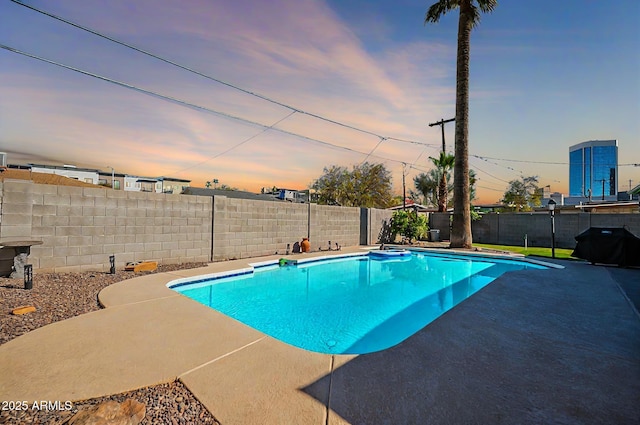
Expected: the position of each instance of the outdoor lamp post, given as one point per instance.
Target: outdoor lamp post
(552, 206)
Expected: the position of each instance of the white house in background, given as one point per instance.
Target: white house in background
(117, 180)
(173, 185)
(86, 175)
(142, 184)
(155, 184)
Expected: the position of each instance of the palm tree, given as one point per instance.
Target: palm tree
(444, 164)
(469, 17)
(427, 186)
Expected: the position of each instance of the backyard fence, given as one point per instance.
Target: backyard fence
(513, 228)
(76, 229)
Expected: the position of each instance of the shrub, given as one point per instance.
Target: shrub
(409, 224)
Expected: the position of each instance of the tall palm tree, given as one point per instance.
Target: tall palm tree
(469, 18)
(444, 164)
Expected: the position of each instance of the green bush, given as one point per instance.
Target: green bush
(409, 224)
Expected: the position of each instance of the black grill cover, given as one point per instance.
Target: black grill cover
(608, 245)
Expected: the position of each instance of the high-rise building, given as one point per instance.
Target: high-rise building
(593, 169)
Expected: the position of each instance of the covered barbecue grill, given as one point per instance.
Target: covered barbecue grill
(608, 245)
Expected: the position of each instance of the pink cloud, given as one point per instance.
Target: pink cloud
(297, 52)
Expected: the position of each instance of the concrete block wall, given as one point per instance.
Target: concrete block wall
(510, 228)
(378, 226)
(246, 228)
(16, 208)
(335, 224)
(81, 227)
(442, 222)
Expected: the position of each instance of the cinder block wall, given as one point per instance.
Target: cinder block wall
(511, 228)
(81, 227)
(246, 228)
(335, 224)
(442, 222)
(16, 209)
(378, 226)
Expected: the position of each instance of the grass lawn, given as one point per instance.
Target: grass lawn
(561, 253)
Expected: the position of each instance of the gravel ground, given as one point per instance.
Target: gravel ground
(59, 296)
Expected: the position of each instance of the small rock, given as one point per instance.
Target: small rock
(129, 412)
(23, 310)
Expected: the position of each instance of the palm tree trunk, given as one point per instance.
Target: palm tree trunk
(442, 193)
(461, 227)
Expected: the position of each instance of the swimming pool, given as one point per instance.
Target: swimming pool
(348, 304)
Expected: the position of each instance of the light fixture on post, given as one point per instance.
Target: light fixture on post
(113, 177)
(552, 207)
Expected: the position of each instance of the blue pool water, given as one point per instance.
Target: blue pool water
(349, 305)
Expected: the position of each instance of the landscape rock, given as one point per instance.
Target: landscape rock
(59, 296)
(23, 310)
(129, 412)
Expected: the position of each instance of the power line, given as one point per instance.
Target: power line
(258, 95)
(186, 68)
(490, 175)
(237, 145)
(546, 162)
(189, 104)
(519, 160)
(382, 139)
(490, 188)
(495, 163)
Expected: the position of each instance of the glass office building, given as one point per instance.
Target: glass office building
(593, 169)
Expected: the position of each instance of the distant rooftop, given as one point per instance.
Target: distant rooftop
(201, 191)
(41, 178)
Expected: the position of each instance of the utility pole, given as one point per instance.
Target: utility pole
(113, 174)
(441, 123)
(404, 191)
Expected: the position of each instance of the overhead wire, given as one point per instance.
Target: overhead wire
(382, 139)
(496, 164)
(255, 94)
(186, 68)
(490, 175)
(526, 161)
(188, 104)
(237, 144)
(258, 95)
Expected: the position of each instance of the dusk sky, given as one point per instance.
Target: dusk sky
(545, 75)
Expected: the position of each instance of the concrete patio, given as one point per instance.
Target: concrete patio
(540, 346)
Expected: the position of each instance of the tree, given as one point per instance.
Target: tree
(523, 194)
(472, 185)
(427, 185)
(469, 17)
(443, 164)
(367, 185)
(409, 224)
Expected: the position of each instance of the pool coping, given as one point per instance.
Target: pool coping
(239, 374)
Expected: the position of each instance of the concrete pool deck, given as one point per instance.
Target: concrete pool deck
(535, 346)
